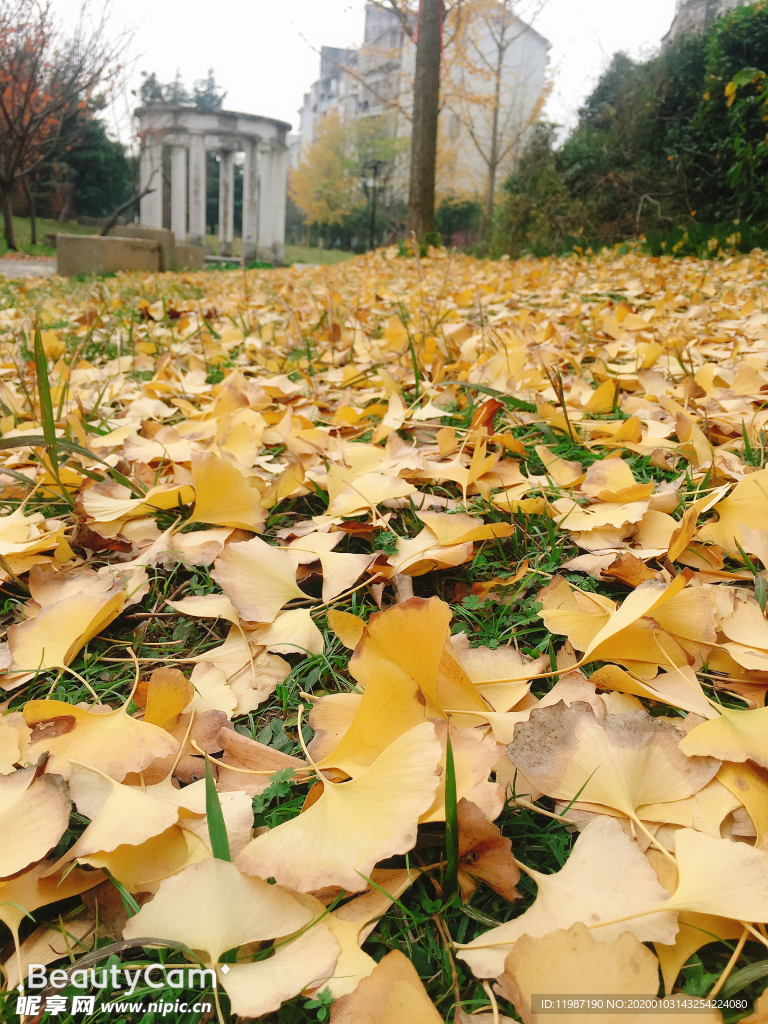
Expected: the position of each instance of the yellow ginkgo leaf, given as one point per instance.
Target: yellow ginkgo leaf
(212, 907)
(55, 635)
(390, 706)
(207, 606)
(562, 472)
(705, 810)
(570, 688)
(366, 491)
(353, 825)
(126, 815)
(735, 735)
(747, 629)
(308, 962)
(347, 627)
(257, 578)
(246, 675)
(680, 689)
(575, 961)
(750, 787)
(166, 696)
(694, 930)
(293, 631)
(620, 761)
(25, 893)
(502, 676)
(14, 741)
(341, 571)
(611, 480)
(34, 814)
(414, 636)
(110, 741)
(720, 877)
(745, 504)
(47, 584)
(656, 624)
(224, 495)
(237, 812)
(604, 877)
(460, 528)
(645, 600)
(392, 994)
(331, 718)
(107, 502)
(142, 868)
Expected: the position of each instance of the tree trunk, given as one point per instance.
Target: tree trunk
(489, 201)
(426, 88)
(308, 238)
(32, 213)
(64, 212)
(7, 202)
(493, 161)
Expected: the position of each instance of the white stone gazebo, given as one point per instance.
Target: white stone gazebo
(190, 132)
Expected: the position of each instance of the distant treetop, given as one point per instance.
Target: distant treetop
(205, 95)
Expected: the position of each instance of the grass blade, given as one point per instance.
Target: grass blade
(217, 830)
(44, 396)
(451, 824)
(513, 403)
(38, 441)
(46, 412)
(130, 904)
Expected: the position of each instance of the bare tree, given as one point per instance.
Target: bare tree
(46, 77)
(488, 95)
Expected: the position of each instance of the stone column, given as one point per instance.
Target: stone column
(179, 193)
(196, 189)
(265, 204)
(151, 174)
(226, 202)
(250, 202)
(279, 189)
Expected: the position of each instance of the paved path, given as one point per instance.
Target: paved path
(26, 268)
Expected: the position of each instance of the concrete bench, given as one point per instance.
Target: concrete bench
(143, 249)
(92, 254)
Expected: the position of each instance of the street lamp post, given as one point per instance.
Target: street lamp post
(371, 188)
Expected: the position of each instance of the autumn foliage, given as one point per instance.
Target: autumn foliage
(336, 599)
(47, 81)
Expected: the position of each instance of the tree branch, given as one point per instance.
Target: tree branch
(402, 16)
(121, 209)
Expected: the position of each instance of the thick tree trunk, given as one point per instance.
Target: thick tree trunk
(421, 195)
(7, 202)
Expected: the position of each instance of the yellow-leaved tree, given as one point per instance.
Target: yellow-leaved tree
(323, 185)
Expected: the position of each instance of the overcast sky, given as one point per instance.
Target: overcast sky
(265, 52)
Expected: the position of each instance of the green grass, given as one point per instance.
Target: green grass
(22, 231)
(21, 227)
(301, 254)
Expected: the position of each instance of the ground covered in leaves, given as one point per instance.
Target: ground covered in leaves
(388, 638)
